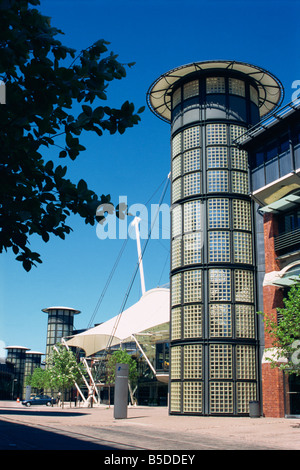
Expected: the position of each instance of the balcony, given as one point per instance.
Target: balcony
(287, 241)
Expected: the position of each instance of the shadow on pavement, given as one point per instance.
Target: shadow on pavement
(19, 437)
(33, 412)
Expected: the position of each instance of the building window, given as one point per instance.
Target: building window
(176, 253)
(191, 184)
(176, 145)
(191, 160)
(176, 323)
(190, 89)
(192, 317)
(219, 285)
(193, 243)
(192, 360)
(254, 95)
(220, 320)
(193, 212)
(239, 159)
(176, 221)
(216, 134)
(246, 391)
(235, 132)
(176, 362)
(243, 286)
(240, 183)
(191, 137)
(218, 213)
(217, 181)
(219, 247)
(221, 397)
(176, 289)
(176, 190)
(245, 362)
(175, 397)
(217, 157)
(215, 85)
(236, 87)
(244, 321)
(176, 98)
(192, 397)
(192, 286)
(176, 167)
(242, 247)
(241, 214)
(220, 361)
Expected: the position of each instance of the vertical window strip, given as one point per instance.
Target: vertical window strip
(190, 89)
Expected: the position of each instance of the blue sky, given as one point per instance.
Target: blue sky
(158, 35)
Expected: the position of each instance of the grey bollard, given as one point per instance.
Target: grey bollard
(121, 391)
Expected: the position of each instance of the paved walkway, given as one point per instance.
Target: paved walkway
(153, 428)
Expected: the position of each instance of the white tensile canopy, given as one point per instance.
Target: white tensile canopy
(151, 310)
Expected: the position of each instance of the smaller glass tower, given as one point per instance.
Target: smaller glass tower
(16, 355)
(60, 325)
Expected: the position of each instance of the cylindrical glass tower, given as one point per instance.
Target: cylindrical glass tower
(16, 355)
(214, 344)
(60, 325)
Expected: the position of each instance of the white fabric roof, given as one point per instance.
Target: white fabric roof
(151, 310)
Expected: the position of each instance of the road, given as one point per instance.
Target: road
(145, 429)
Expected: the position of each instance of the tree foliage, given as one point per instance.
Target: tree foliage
(44, 79)
(121, 356)
(39, 379)
(286, 332)
(63, 369)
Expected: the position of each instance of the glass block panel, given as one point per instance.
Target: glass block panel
(176, 145)
(219, 285)
(245, 391)
(176, 167)
(193, 214)
(191, 160)
(242, 247)
(243, 281)
(176, 190)
(176, 362)
(218, 246)
(220, 323)
(176, 289)
(192, 397)
(218, 213)
(254, 95)
(236, 87)
(239, 159)
(176, 221)
(217, 157)
(215, 85)
(191, 184)
(192, 319)
(176, 98)
(220, 361)
(192, 286)
(235, 132)
(191, 137)
(221, 397)
(245, 362)
(176, 252)
(192, 358)
(175, 397)
(217, 181)
(176, 323)
(244, 321)
(240, 183)
(241, 214)
(193, 243)
(216, 134)
(190, 89)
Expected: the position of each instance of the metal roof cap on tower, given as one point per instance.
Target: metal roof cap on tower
(270, 89)
(47, 310)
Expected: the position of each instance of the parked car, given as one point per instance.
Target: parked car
(39, 400)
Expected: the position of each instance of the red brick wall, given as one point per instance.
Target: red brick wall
(272, 379)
